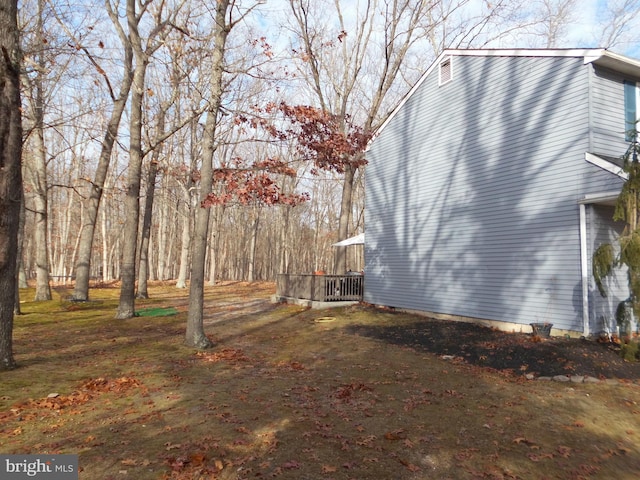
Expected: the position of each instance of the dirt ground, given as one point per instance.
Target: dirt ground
(515, 352)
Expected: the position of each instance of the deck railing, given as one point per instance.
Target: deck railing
(321, 288)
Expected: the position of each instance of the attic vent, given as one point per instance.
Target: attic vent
(446, 73)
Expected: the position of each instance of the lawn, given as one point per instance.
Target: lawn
(291, 393)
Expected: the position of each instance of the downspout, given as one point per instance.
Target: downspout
(584, 251)
(584, 268)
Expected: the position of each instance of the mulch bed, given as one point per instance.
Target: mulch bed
(516, 352)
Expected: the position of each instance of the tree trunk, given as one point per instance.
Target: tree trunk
(20, 276)
(39, 192)
(213, 260)
(145, 267)
(187, 188)
(39, 171)
(214, 250)
(151, 259)
(163, 252)
(185, 247)
(346, 203)
(195, 336)
(126, 307)
(63, 261)
(143, 275)
(251, 277)
(104, 226)
(92, 203)
(283, 266)
(10, 173)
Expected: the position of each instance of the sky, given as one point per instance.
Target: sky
(587, 29)
(584, 32)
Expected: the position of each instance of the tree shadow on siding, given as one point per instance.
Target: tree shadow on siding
(480, 216)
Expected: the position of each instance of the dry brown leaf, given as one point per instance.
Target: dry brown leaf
(523, 440)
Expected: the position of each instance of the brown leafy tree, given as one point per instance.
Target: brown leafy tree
(10, 173)
(244, 184)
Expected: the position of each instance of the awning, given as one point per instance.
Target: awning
(357, 240)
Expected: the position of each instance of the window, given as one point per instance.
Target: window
(631, 109)
(446, 73)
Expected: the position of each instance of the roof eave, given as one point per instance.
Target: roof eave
(615, 62)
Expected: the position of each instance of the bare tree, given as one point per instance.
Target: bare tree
(223, 23)
(142, 55)
(10, 173)
(620, 23)
(557, 16)
(36, 156)
(174, 98)
(92, 202)
(152, 174)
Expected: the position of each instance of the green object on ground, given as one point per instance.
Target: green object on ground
(157, 312)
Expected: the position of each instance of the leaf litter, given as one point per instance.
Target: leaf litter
(281, 396)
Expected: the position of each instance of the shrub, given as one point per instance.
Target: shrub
(630, 350)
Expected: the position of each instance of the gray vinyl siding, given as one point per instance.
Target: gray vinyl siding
(472, 193)
(608, 113)
(602, 229)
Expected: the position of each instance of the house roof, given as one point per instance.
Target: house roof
(598, 56)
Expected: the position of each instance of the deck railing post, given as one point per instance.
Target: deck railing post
(313, 287)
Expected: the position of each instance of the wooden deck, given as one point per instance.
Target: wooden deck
(321, 288)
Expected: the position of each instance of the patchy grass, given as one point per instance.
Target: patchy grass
(283, 395)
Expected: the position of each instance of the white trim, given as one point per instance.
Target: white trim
(637, 106)
(591, 53)
(584, 269)
(601, 197)
(605, 165)
(614, 61)
(593, 56)
(355, 240)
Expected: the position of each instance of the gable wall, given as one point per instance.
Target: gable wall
(472, 193)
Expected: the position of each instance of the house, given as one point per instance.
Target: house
(492, 183)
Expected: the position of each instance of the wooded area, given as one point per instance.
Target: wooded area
(194, 141)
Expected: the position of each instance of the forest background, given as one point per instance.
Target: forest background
(195, 141)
